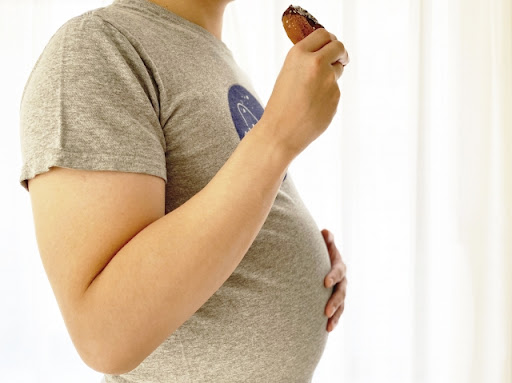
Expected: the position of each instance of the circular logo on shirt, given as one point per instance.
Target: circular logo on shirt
(246, 111)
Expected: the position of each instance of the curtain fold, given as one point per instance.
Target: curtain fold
(484, 125)
(468, 106)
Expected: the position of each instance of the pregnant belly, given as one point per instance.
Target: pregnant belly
(266, 323)
(255, 328)
(258, 340)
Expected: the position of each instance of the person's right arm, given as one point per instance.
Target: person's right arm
(126, 275)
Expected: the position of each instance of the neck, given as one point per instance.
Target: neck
(205, 13)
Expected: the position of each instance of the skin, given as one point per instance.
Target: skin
(337, 276)
(209, 15)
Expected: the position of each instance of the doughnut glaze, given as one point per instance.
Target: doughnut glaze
(299, 23)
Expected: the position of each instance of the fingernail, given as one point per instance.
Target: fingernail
(329, 282)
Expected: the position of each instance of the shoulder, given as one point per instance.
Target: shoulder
(84, 43)
(84, 29)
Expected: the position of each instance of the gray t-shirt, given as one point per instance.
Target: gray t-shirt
(133, 87)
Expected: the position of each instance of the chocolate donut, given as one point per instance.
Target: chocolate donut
(299, 23)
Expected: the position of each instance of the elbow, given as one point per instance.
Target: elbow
(107, 359)
(101, 366)
(102, 345)
(107, 365)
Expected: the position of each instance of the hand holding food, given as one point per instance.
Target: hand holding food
(299, 24)
(306, 94)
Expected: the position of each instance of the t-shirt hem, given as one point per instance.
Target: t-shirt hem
(89, 161)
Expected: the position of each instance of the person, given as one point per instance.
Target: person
(172, 235)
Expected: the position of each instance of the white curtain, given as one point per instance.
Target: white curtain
(414, 177)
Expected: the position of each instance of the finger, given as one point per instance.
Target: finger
(328, 236)
(336, 275)
(338, 69)
(315, 41)
(333, 322)
(337, 299)
(334, 51)
(331, 246)
(337, 315)
(338, 269)
(329, 240)
(345, 59)
(330, 325)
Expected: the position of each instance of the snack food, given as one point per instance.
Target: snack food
(299, 23)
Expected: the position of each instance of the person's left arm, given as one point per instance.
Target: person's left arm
(336, 276)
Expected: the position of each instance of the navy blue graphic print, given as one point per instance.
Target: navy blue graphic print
(246, 111)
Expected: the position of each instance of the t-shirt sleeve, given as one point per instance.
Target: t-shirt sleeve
(91, 103)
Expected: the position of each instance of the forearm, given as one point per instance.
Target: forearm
(173, 266)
